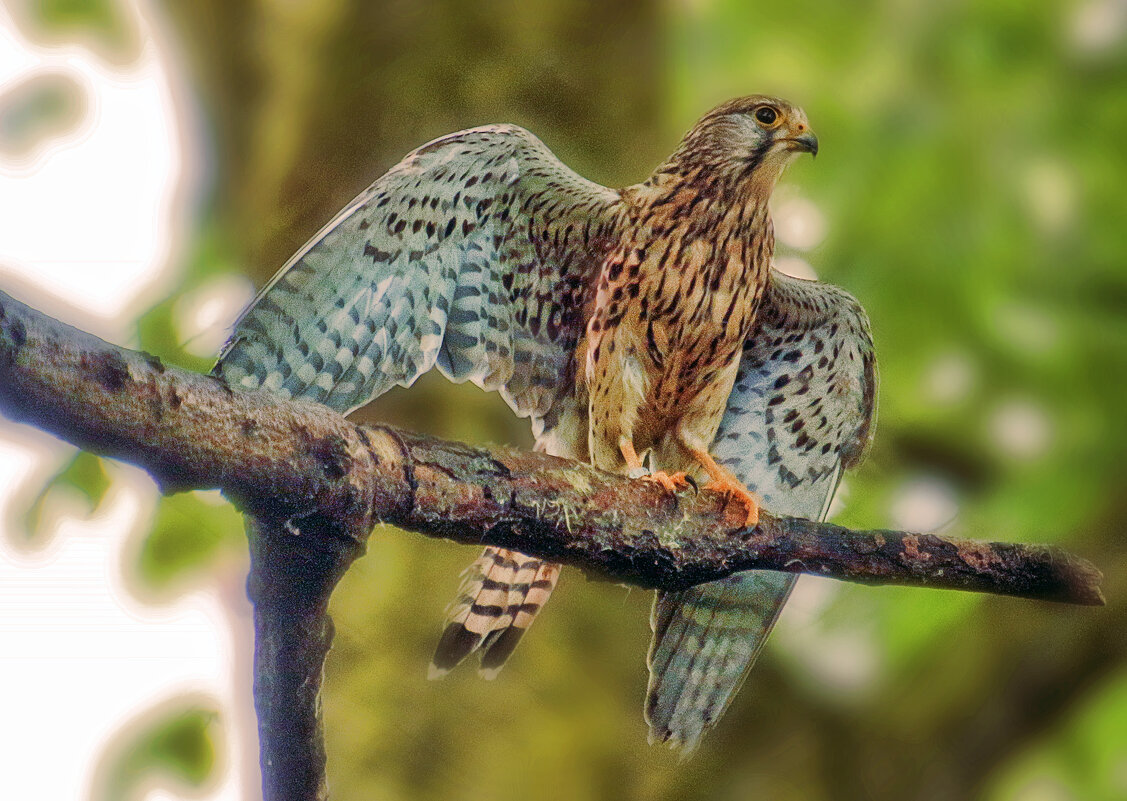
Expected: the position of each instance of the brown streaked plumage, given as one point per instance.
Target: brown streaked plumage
(678, 294)
(621, 322)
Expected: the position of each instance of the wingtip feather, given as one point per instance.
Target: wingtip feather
(489, 674)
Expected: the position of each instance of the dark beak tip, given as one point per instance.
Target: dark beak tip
(806, 142)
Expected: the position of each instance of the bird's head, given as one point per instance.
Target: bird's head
(752, 137)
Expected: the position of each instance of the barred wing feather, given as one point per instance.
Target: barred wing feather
(474, 254)
(800, 412)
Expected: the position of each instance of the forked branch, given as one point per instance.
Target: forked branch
(316, 484)
(297, 463)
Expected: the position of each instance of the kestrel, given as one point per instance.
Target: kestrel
(628, 323)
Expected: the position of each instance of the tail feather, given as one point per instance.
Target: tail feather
(470, 615)
(525, 602)
(705, 641)
(500, 596)
(679, 657)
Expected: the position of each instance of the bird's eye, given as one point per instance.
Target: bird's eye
(766, 115)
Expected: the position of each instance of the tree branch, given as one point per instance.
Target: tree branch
(294, 463)
(315, 485)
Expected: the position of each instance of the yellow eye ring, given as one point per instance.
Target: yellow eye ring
(767, 116)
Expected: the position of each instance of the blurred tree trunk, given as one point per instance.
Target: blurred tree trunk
(310, 102)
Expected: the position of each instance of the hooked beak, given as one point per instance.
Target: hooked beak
(806, 142)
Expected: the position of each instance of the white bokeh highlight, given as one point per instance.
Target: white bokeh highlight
(795, 267)
(1098, 26)
(1020, 428)
(950, 378)
(799, 223)
(90, 221)
(203, 318)
(923, 504)
(840, 662)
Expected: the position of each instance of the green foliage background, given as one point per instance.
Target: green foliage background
(971, 177)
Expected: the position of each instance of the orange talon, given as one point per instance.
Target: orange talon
(733, 490)
(727, 484)
(672, 483)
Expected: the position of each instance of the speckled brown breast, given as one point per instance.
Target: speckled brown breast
(679, 298)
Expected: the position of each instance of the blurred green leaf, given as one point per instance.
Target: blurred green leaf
(83, 477)
(1085, 759)
(102, 22)
(89, 14)
(178, 746)
(211, 255)
(190, 531)
(37, 111)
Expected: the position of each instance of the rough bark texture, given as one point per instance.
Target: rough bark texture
(290, 589)
(314, 485)
(302, 467)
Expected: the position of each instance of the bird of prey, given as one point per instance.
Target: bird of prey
(636, 326)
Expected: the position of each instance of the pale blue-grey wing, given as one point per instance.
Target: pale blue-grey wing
(473, 254)
(800, 412)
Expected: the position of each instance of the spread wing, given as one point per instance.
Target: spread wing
(475, 253)
(801, 411)
(804, 400)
